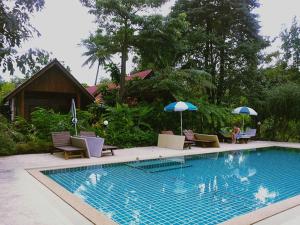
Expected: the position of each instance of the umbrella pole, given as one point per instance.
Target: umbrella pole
(243, 123)
(181, 122)
(75, 129)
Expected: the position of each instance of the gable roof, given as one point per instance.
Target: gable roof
(142, 75)
(92, 89)
(53, 63)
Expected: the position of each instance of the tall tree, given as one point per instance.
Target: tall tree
(15, 28)
(119, 22)
(291, 44)
(224, 40)
(160, 42)
(98, 50)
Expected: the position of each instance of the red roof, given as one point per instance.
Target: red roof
(92, 89)
(142, 75)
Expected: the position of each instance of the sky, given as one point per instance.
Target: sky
(64, 23)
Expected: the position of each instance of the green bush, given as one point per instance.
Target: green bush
(127, 126)
(7, 146)
(47, 121)
(38, 146)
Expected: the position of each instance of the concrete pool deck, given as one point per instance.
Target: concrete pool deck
(24, 200)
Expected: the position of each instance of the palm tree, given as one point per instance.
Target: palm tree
(97, 51)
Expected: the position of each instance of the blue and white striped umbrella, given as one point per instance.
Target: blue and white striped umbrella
(244, 110)
(180, 107)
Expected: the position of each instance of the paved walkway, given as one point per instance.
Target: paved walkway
(25, 201)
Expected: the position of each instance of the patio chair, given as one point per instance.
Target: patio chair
(187, 143)
(250, 132)
(225, 136)
(105, 148)
(246, 136)
(203, 140)
(71, 146)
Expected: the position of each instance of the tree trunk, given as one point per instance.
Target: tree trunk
(220, 86)
(207, 46)
(96, 79)
(124, 55)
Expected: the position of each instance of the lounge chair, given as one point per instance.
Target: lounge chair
(105, 148)
(244, 137)
(225, 136)
(250, 132)
(203, 140)
(187, 143)
(71, 146)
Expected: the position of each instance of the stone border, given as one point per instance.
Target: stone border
(265, 212)
(76, 203)
(97, 217)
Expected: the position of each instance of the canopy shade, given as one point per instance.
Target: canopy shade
(180, 107)
(244, 110)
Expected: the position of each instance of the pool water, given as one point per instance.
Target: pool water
(202, 189)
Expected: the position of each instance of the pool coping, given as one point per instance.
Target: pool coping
(96, 217)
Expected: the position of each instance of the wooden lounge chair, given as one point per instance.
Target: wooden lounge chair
(225, 136)
(105, 148)
(71, 146)
(203, 140)
(187, 143)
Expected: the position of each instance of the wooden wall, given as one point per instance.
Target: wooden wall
(52, 90)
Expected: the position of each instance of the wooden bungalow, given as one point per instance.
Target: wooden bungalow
(53, 87)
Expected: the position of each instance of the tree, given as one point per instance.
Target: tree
(33, 61)
(160, 42)
(98, 50)
(119, 22)
(291, 44)
(15, 28)
(223, 40)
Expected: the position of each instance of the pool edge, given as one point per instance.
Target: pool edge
(265, 212)
(87, 211)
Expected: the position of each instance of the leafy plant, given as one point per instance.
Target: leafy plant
(7, 146)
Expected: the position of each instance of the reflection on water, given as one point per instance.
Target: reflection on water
(263, 194)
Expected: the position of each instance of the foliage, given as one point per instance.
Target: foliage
(47, 121)
(119, 22)
(114, 71)
(169, 85)
(127, 126)
(166, 34)
(223, 39)
(16, 28)
(5, 88)
(283, 102)
(97, 51)
(7, 146)
(291, 44)
(30, 147)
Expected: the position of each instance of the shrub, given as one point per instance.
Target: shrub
(7, 146)
(127, 126)
(38, 146)
(47, 121)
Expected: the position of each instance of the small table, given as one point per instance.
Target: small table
(110, 148)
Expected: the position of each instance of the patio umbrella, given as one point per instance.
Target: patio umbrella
(244, 110)
(180, 107)
(74, 117)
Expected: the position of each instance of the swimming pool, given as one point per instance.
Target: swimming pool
(201, 189)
